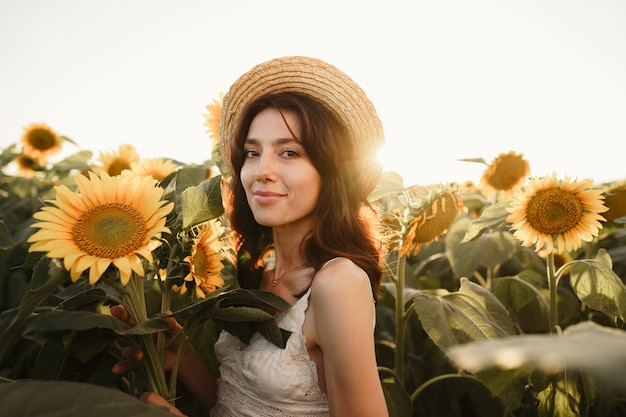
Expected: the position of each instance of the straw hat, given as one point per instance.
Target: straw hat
(325, 84)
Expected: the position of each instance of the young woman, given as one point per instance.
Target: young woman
(299, 138)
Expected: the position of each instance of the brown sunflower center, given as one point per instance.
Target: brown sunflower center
(110, 230)
(42, 139)
(507, 173)
(200, 261)
(437, 218)
(118, 166)
(26, 162)
(616, 202)
(554, 211)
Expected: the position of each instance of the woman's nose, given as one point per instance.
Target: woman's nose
(266, 168)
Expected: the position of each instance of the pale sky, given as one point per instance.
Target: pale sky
(450, 79)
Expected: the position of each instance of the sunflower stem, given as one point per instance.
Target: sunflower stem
(162, 342)
(552, 287)
(153, 361)
(400, 320)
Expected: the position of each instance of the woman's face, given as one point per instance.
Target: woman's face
(282, 185)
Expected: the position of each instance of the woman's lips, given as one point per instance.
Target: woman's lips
(266, 197)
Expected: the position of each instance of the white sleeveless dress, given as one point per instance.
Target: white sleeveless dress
(263, 380)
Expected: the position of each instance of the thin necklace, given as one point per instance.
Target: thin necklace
(277, 279)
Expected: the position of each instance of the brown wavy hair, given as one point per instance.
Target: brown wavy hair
(345, 224)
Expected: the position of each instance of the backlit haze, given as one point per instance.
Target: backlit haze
(450, 79)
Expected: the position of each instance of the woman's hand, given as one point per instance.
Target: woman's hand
(192, 371)
(132, 355)
(154, 398)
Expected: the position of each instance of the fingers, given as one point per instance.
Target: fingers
(131, 356)
(122, 367)
(122, 314)
(175, 327)
(154, 398)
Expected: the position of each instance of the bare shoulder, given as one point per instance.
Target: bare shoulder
(340, 287)
(341, 310)
(339, 279)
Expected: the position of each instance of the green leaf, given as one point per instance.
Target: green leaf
(487, 303)
(31, 300)
(153, 325)
(468, 315)
(67, 139)
(189, 177)
(477, 160)
(490, 249)
(517, 291)
(455, 394)
(202, 202)
(8, 155)
(253, 298)
(78, 161)
(86, 345)
(71, 399)
(83, 298)
(6, 241)
(74, 320)
(241, 312)
(51, 359)
(587, 347)
(58, 320)
(397, 399)
(390, 182)
(561, 397)
(597, 286)
(491, 218)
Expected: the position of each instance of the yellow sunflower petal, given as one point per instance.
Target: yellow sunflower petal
(123, 265)
(70, 259)
(57, 215)
(97, 269)
(136, 265)
(60, 250)
(124, 278)
(146, 250)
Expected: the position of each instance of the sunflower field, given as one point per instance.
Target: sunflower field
(502, 298)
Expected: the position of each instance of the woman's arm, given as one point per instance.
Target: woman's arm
(196, 376)
(341, 298)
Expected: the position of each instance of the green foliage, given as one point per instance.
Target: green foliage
(53, 329)
(474, 321)
(71, 399)
(597, 286)
(465, 325)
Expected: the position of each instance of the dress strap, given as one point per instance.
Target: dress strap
(328, 262)
(300, 295)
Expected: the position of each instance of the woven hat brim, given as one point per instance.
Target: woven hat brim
(322, 82)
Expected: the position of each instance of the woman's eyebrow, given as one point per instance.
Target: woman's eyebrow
(277, 141)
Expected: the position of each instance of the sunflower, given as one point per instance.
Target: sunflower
(505, 173)
(26, 165)
(205, 261)
(431, 218)
(39, 142)
(615, 200)
(556, 215)
(108, 221)
(212, 119)
(157, 168)
(113, 163)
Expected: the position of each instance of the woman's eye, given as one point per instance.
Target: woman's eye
(250, 153)
(289, 153)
